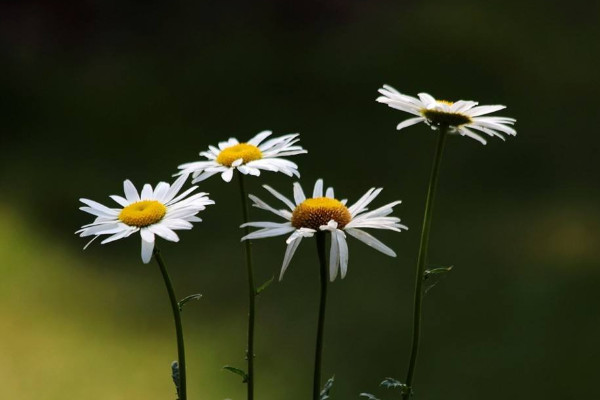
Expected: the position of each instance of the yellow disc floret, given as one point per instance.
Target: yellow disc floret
(143, 213)
(245, 151)
(312, 213)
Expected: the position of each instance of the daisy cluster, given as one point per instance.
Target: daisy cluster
(162, 210)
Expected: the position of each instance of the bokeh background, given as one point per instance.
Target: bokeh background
(94, 92)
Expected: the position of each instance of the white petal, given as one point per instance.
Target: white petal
(160, 191)
(131, 193)
(343, 246)
(147, 247)
(409, 122)
(268, 232)
(120, 200)
(466, 132)
(371, 241)
(289, 253)
(334, 257)
(299, 196)
(175, 188)
(256, 140)
(427, 99)
(318, 190)
(481, 110)
(281, 197)
(164, 232)
(227, 175)
(147, 192)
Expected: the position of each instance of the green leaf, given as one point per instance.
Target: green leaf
(437, 271)
(265, 285)
(237, 371)
(182, 302)
(326, 389)
(392, 383)
(368, 396)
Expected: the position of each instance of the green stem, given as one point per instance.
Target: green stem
(251, 291)
(320, 236)
(182, 389)
(422, 260)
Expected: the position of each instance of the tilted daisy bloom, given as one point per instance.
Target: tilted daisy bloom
(159, 211)
(249, 157)
(323, 212)
(460, 117)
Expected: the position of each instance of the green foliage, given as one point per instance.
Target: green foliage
(264, 285)
(388, 383)
(237, 371)
(183, 301)
(434, 275)
(326, 389)
(369, 396)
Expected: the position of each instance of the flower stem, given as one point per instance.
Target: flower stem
(422, 260)
(181, 387)
(251, 291)
(320, 236)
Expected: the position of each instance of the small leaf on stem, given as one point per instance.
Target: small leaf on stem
(264, 285)
(326, 389)
(182, 302)
(368, 396)
(237, 371)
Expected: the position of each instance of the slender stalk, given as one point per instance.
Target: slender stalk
(251, 291)
(422, 260)
(182, 388)
(320, 236)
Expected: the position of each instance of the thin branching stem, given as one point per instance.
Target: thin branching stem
(181, 387)
(251, 291)
(422, 260)
(320, 236)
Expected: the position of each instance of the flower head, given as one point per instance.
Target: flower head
(323, 212)
(460, 117)
(248, 158)
(158, 211)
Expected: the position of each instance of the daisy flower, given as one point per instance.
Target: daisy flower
(158, 211)
(460, 117)
(323, 212)
(248, 157)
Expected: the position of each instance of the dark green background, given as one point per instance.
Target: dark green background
(96, 92)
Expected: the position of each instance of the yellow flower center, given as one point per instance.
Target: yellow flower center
(446, 102)
(245, 151)
(312, 213)
(143, 213)
(442, 118)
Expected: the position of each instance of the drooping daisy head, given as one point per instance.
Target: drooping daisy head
(159, 211)
(460, 117)
(324, 213)
(249, 157)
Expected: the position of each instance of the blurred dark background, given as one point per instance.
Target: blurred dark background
(94, 92)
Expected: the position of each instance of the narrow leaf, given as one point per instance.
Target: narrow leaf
(436, 271)
(392, 383)
(368, 396)
(264, 285)
(237, 371)
(326, 389)
(182, 302)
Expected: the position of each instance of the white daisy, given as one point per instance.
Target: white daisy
(158, 211)
(323, 212)
(248, 157)
(460, 117)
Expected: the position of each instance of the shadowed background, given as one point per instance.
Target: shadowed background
(96, 92)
